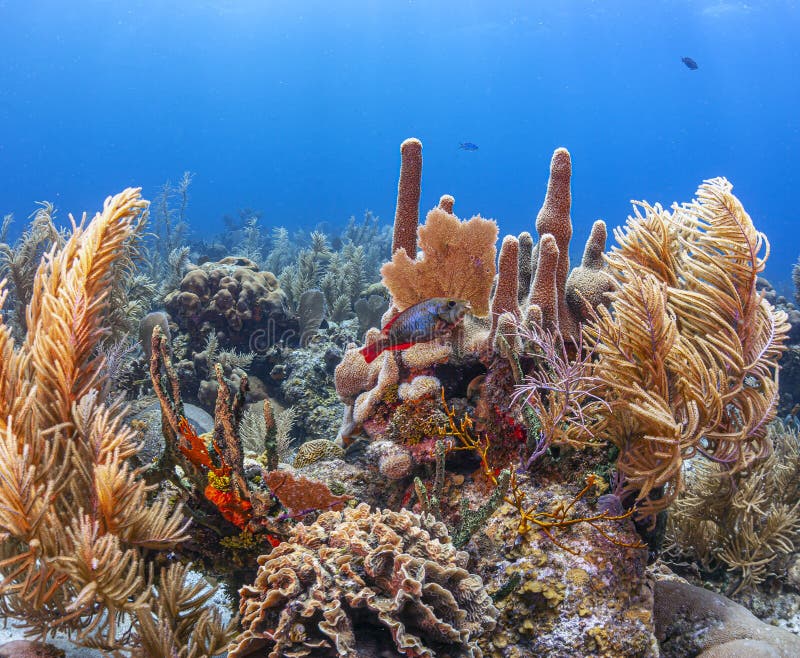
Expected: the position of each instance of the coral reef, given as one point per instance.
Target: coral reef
(457, 260)
(498, 490)
(663, 349)
(592, 600)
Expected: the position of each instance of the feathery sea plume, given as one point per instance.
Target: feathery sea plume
(75, 515)
(18, 262)
(688, 354)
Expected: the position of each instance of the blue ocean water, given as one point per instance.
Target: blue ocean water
(298, 108)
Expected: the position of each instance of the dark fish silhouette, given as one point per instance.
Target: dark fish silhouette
(690, 63)
(468, 146)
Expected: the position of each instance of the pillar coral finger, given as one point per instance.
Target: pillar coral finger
(589, 283)
(505, 294)
(524, 266)
(554, 219)
(406, 216)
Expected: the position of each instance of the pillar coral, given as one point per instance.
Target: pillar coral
(457, 260)
(589, 283)
(524, 266)
(554, 219)
(505, 294)
(406, 216)
(544, 291)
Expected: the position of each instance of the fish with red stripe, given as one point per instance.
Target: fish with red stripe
(425, 321)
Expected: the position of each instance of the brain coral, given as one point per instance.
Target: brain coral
(235, 299)
(326, 590)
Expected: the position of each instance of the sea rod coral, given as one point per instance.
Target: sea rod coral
(688, 353)
(75, 517)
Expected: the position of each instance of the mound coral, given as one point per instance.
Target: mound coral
(591, 601)
(692, 621)
(231, 297)
(358, 578)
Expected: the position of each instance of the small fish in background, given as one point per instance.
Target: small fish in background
(424, 321)
(690, 63)
(468, 146)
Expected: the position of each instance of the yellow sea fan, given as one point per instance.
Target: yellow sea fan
(458, 261)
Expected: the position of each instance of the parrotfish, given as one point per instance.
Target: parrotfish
(422, 322)
(468, 146)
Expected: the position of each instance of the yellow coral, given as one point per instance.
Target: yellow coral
(243, 541)
(219, 482)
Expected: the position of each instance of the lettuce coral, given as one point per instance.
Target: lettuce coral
(326, 590)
